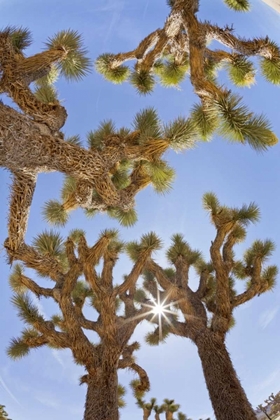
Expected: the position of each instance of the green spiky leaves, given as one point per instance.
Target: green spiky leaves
(27, 311)
(20, 37)
(181, 134)
(54, 213)
(76, 64)
(239, 124)
(96, 138)
(205, 121)
(143, 81)
(221, 214)
(49, 243)
(180, 248)
(270, 68)
(161, 175)
(15, 279)
(269, 277)
(149, 242)
(148, 123)
(46, 94)
(170, 73)
(238, 5)
(241, 71)
(17, 349)
(125, 218)
(104, 65)
(157, 336)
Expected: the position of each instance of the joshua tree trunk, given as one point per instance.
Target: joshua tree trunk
(228, 398)
(102, 395)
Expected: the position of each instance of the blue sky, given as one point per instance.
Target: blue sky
(45, 384)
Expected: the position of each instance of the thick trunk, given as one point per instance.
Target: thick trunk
(102, 396)
(228, 398)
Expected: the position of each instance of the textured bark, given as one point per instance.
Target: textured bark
(227, 396)
(102, 395)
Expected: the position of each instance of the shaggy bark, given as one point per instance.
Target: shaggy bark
(228, 398)
(102, 396)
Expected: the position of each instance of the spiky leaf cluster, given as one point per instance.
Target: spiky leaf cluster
(20, 37)
(241, 71)
(76, 64)
(171, 73)
(143, 81)
(270, 68)
(239, 124)
(238, 5)
(148, 243)
(116, 75)
(205, 121)
(180, 248)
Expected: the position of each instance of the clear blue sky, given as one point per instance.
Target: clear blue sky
(44, 385)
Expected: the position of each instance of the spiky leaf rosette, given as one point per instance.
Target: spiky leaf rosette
(270, 68)
(90, 213)
(157, 336)
(170, 73)
(117, 75)
(50, 78)
(210, 202)
(121, 179)
(27, 311)
(70, 183)
(76, 64)
(181, 248)
(137, 389)
(46, 94)
(105, 129)
(269, 277)
(241, 71)
(49, 243)
(127, 219)
(143, 81)
(238, 5)
(181, 134)
(161, 175)
(121, 390)
(20, 37)
(76, 235)
(17, 349)
(54, 213)
(148, 123)
(182, 416)
(15, 281)
(205, 120)
(239, 124)
(150, 242)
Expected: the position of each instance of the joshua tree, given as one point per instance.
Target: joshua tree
(146, 407)
(182, 46)
(208, 311)
(3, 413)
(275, 403)
(117, 164)
(64, 263)
(264, 410)
(168, 407)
